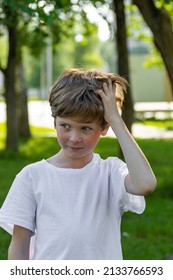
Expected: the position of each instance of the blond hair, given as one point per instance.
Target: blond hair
(73, 94)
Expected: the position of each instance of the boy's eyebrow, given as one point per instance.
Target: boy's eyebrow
(64, 122)
(82, 124)
(86, 123)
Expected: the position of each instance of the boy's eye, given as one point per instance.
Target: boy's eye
(86, 128)
(65, 125)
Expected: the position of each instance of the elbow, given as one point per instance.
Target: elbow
(150, 185)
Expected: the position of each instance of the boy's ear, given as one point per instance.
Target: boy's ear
(105, 130)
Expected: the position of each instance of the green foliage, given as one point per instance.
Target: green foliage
(139, 31)
(81, 52)
(166, 4)
(153, 59)
(35, 20)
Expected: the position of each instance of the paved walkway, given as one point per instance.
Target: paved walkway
(40, 115)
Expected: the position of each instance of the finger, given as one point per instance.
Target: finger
(105, 87)
(100, 92)
(114, 87)
(110, 84)
(118, 94)
(108, 87)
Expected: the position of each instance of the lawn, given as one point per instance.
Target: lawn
(164, 123)
(146, 236)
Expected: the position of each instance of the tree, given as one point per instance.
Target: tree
(9, 74)
(160, 23)
(123, 63)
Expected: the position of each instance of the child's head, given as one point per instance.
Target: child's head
(73, 95)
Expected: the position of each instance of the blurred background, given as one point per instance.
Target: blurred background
(41, 39)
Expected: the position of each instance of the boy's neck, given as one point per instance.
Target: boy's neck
(61, 160)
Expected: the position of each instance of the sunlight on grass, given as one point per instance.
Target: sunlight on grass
(34, 130)
(41, 130)
(2, 129)
(2, 135)
(167, 124)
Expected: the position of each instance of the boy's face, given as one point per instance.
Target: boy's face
(77, 139)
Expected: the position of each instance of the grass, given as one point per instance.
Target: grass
(160, 123)
(146, 236)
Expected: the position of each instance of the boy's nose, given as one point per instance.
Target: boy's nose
(75, 137)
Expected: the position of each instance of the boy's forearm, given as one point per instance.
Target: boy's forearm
(17, 253)
(141, 179)
(20, 244)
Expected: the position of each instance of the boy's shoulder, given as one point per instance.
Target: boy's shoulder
(34, 165)
(109, 160)
(32, 168)
(112, 163)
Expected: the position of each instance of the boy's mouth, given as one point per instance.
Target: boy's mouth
(75, 148)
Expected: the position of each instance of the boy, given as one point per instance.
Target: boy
(72, 203)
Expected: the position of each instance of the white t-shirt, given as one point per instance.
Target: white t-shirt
(73, 213)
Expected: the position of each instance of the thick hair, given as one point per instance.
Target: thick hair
(73, 94)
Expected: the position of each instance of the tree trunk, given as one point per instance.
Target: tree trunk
(160, 24)
(123, 63)
(12, 138)
(22, 104)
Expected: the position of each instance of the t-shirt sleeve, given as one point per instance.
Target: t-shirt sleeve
(123, 200)
(19, 207)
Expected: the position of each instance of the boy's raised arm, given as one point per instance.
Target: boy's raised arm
(140, 179)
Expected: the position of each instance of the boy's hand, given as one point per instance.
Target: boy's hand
(107, 95)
